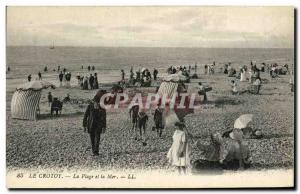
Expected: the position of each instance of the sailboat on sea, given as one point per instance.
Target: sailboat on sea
(52, 47)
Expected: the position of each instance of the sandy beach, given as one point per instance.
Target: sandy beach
(59, 142)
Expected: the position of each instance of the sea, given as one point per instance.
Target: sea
(108, 61)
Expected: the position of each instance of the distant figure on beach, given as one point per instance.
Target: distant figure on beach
(122, 75)
(58, 68)
(243, 75)
(250, 76)
(29, 77)
(40, 75)
(174, 70)
(205, 69)
(64, 70)
(229, 68)
(231, 72)
(67, 98)
(255, 88)
(158, 120)
(131, 77)
(263, 66)
(89, 68)
(85, 83)
(8, 69)
(234, 90)
(202, 92)
(180, 151)
(96, 84)
(195, 67)
(49, 99)
(78, 78)
(225, 69)
(93, 68)
(68, 79)
(138, 76)
(155, 72)
(45, 69)
(91, 81)
(287, 68)
(60, 77)
(94, 121)
(81, 66)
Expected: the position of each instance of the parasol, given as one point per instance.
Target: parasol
(243, 121)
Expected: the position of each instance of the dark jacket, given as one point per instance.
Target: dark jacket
(94, 118)
(158, 115)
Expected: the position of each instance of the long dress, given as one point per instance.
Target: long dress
(243, 76)
(179, 138)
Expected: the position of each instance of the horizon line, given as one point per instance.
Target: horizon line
(154, 47)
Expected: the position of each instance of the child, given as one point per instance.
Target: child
(234, 90)
(179, 153)
(202, 91)
(49, 98)
(142, 124)
(158, 119)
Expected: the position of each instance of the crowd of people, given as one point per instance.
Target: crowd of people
(141, 78)
(88, 82)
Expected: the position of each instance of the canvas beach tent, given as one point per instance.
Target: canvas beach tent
(25, 100)
(169, 87)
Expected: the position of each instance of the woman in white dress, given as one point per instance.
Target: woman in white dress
(243, 75)
(179, 153)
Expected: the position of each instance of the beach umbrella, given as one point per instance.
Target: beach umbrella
(243, 121)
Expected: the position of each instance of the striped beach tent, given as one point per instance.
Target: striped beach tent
(25, 100)
(169, 84)
(169, 87)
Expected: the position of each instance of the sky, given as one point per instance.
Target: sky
(213, 27)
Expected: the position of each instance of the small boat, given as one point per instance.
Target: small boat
(52, 47)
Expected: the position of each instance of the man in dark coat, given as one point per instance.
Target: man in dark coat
(94, 121)
(155, 72)
(96, 85)
(91, 81)
(40, 75)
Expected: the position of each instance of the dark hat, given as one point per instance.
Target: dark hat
(99, 94)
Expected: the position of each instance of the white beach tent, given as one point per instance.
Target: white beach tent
(25, 101)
